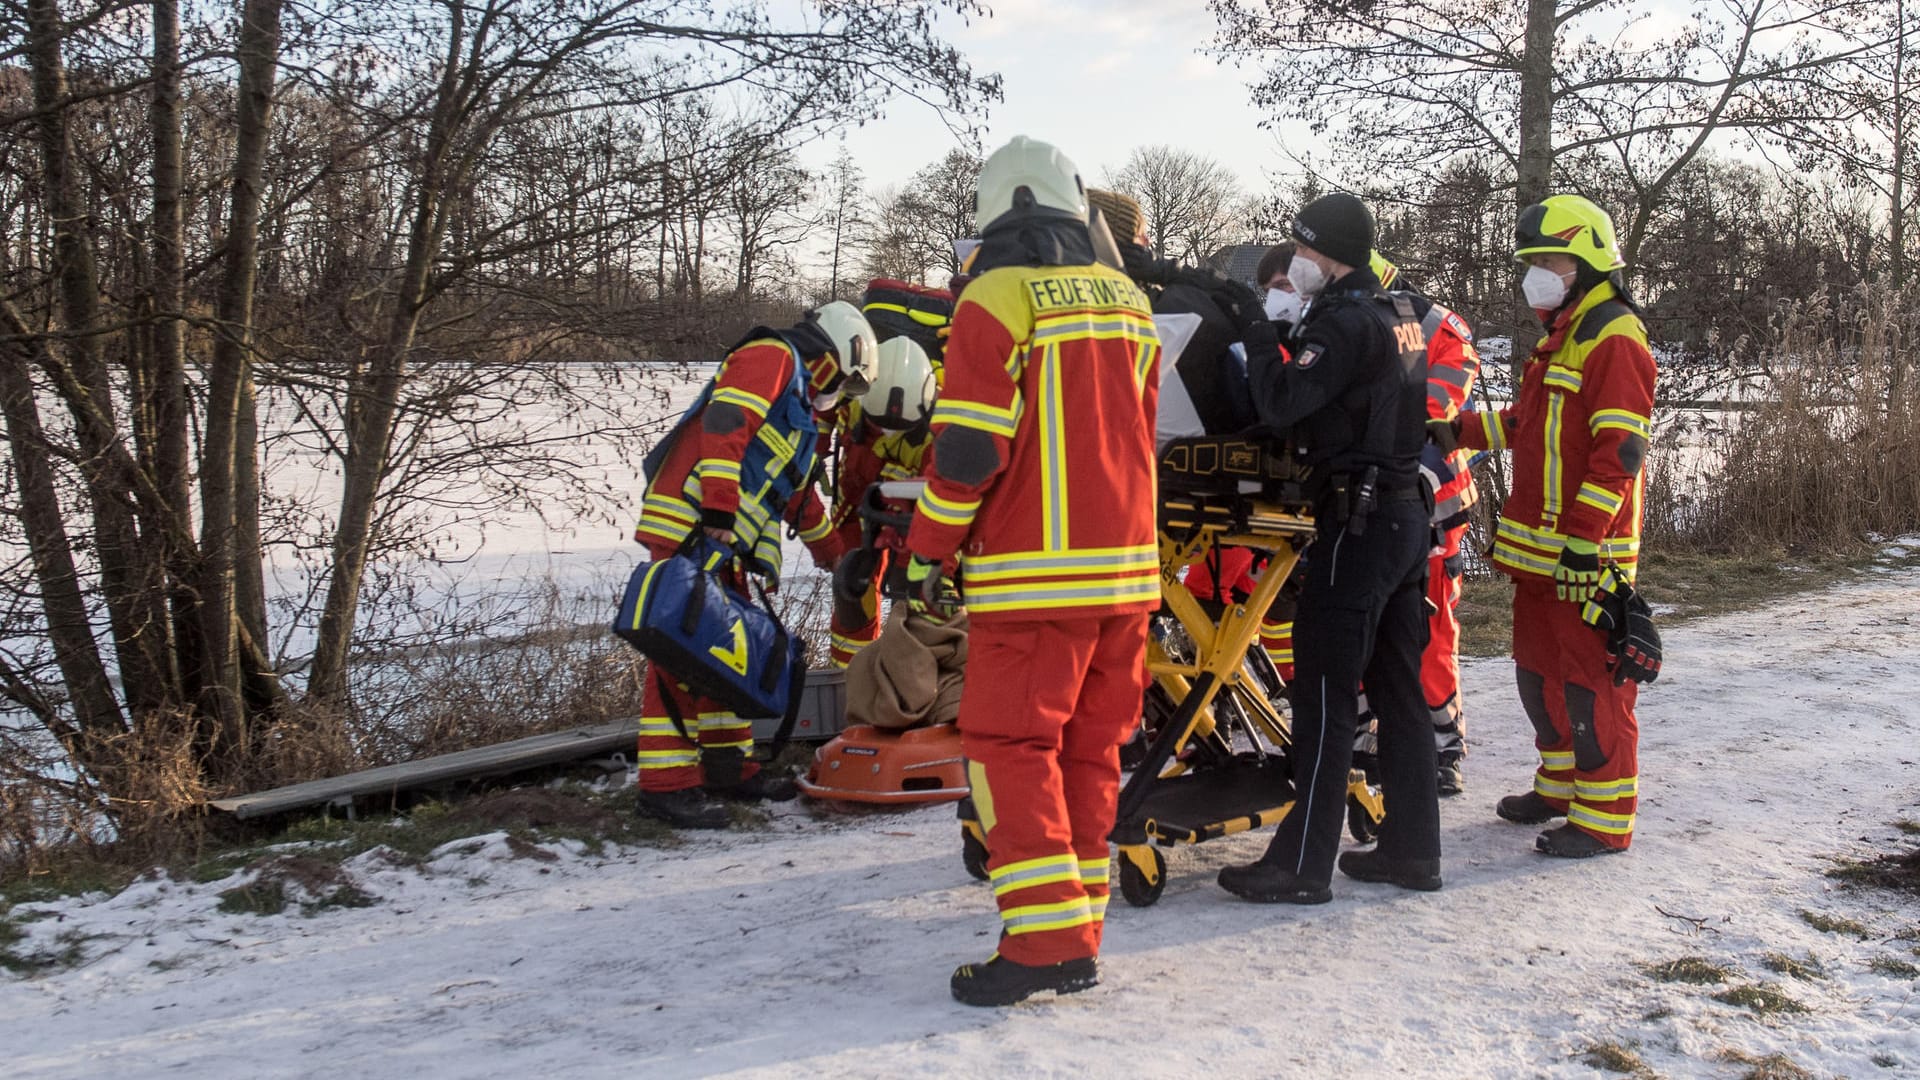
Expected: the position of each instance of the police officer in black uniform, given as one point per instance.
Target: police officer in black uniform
(1351, 389)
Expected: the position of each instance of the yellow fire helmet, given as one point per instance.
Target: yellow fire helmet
(1568, 225)
(1384, 270)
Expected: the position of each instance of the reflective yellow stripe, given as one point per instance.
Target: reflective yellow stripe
(1087, 561)
(1087, 327)
(1562, 378)
(1036, 918)
(972, 414)
(1280, 656)
(1143, 361)
(1550, 506)
(720, 467)
(947, 511)
(1046, 870)
(982, 793)
(1607, 790)
(818, 531)
(1557, 759)
(1095, 871)
(1552, 789)
(1053, 453)
(924, 318)
(1022, 597)
(1495, 431)
(733, 395)
(658, 727)
(1098, 906)
(1599, 498)
(1600, 820)
(668, 759)
(1622, 419)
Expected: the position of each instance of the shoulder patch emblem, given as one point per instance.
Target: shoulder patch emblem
(1307, 356)
(1459, 326)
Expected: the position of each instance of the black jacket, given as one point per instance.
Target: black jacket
(1354, 391)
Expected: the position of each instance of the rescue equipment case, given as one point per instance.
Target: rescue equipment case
(723, 646)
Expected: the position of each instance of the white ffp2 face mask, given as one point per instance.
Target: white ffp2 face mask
(1283, 305)
(1307, 277)
(826, 403)
(1544, 288)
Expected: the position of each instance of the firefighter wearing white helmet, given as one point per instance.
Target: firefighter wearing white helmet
(1041, 489)
(886, 440)
(737, 467)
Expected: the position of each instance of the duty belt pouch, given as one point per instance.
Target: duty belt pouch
(723, 646)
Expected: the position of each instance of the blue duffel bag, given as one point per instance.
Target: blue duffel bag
(723, 646)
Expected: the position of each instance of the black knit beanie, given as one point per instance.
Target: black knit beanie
(1338, 226)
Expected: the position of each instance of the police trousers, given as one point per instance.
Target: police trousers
(1362, 615)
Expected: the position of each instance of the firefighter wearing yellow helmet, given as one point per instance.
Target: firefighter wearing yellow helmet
(1579, 433)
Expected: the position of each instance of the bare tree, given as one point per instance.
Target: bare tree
(1193, 203)
(917, 224)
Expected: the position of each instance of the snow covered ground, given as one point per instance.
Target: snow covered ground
(821, 945)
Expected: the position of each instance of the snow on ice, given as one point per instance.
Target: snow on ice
(820, 946)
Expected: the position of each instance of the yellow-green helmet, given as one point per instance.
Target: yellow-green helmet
(1568, 225)
(1383, 269)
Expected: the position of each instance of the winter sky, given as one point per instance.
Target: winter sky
(1102, 77)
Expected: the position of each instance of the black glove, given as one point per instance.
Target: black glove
(1633, 642)
(1141, 266)
(1635, 652)
(853, 577)
(1240, 304)
(1445, 434)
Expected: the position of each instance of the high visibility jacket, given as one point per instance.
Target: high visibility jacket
(1579, 435)
(749, 471)
(871, 455)
(1452, 364)
(1043, 456)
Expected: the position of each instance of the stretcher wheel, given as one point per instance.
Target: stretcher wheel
(1360, 821)
(973, 853)
(1134, 886)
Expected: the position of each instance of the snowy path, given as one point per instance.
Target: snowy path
(821, 946)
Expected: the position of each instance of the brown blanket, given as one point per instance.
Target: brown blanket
(911, 675)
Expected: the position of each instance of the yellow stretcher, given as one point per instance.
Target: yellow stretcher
(1216, 761)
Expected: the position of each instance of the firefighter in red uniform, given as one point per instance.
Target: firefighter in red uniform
(887, 439)
(1043, 487)
(1579, 435)
(1452, 364)
(726, 471)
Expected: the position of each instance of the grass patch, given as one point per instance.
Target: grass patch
(1616, 1057)
(1688, 969)
(1908, 826)
(1804, 970)
(255, 898)
(1893, 968)
(1885, 1061)
(1486, 616)
(1760, 999)
(1898, 871)
(1834, 924)
(1771, 1067)
(68, 950)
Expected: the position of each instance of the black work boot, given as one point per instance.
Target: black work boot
(1452, 781)
(1000, 981)
(1528, 809)
(688, 808)
(1572, 842)
(760, 787)
(1421, 875)
(1264, 883)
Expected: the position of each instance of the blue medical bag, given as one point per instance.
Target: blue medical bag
(723, 646)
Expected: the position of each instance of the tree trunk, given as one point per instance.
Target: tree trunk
(1897, 201)
(68, 628)
(129, 576)
(166, 385)
(221, 508)
(1533, 171)
(373, 398)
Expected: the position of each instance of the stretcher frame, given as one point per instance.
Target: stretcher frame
(1226, 682)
